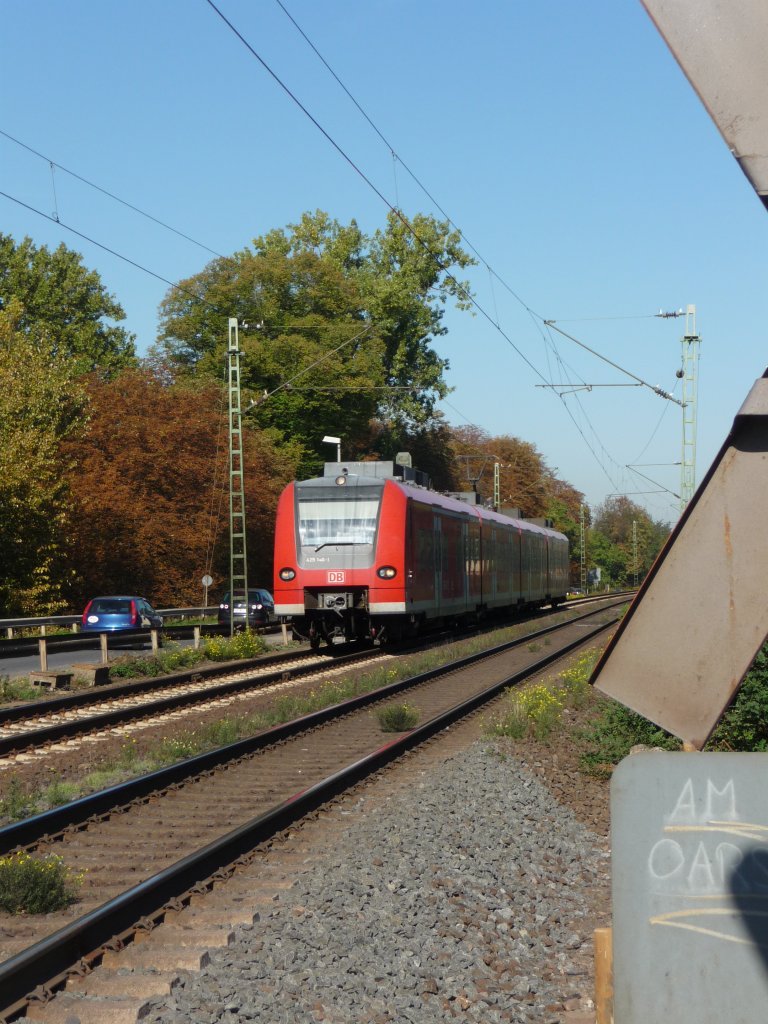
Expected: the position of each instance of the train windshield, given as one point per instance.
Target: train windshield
(351, 520)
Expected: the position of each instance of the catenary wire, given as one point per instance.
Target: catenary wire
(396, 156)
(468, 297)
(138, 266)
(491, 272)
(461, 288)
(111, 195)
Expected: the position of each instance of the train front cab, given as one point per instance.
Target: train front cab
(339, 554)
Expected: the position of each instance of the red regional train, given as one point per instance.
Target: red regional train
(365, 552)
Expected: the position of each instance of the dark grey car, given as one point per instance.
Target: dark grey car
(261, 609)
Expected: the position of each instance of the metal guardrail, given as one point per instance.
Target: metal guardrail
(14, 646)
(42, 621)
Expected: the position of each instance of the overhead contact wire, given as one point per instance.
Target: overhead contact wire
(398, 213)
(110, 195)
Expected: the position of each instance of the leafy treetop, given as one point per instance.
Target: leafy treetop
(66, 301)
(341, 324)
(42, 403)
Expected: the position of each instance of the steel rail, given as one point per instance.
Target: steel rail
(40, 826)
(112, 690)
(18, 742)
(78, 727)
(49, 961)
(116, 690)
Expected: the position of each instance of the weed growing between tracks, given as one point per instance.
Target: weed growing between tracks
(397, 717)
(36, 885)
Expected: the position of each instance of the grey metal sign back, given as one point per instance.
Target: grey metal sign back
(690, 888)
(701, 615)
(721, 47)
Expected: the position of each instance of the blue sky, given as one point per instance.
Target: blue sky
(561, 138)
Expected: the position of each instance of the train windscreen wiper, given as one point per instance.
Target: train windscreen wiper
(337, 544)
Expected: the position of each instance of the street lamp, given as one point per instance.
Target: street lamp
(337, 442)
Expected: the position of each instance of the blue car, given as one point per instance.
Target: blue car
(109, 614)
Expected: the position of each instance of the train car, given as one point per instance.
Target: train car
(368, 552)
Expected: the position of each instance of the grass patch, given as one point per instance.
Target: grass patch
(173, 656)
(744, 726)
(397, 717)
(534, 711)
(168, 659)
(245, 644)
(574, 680)
(36, 885)
(614, 733)
(537, 710)
(12, 690)
(616, 729)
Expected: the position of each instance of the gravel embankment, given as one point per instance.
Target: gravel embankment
(473, 898)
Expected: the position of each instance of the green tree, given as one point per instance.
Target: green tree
(611, 543)
(42, 402)
(66, 303)
(341, 325)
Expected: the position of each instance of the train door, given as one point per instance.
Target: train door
(517, 564)
(438, 551)
(424, 560)
(492, 572)
(475, 595)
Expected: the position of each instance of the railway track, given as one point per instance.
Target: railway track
(193, 820)
(33, 729)
(39, 725)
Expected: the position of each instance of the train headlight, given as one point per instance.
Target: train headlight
(386, 572)
(341, 480)
(287, 574)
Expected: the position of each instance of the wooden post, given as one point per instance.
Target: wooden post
(285, 634)
(155, 644)
(42, 644)
(42, 629)
(104, 650)
(603, 976)
(73, 627)
(196, 632)
(9, 632)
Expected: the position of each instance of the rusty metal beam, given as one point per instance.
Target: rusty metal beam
(721, 46)
(700, 617)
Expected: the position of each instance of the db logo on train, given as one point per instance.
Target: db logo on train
(335, 577)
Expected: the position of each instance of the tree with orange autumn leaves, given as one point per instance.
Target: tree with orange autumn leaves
(526, 482)
(150, 491)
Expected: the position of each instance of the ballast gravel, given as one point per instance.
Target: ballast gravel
(467, 898)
